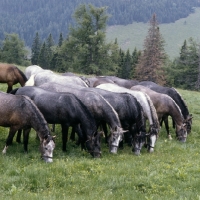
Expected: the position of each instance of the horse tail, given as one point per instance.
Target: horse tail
(13, 91)
(20, 75)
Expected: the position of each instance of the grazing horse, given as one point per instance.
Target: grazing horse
(34, 69)
(127, 83)
(173, 93)
(97, 80)
(19, 112)
(165, 106)
(11, 75)
(130, 114)
(101, 109)
(67, 110)
(146, 103)
(46, 76)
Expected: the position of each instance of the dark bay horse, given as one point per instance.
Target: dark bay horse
(19, 112)
(174, 94)
(67, 110)
(11, 75)
(166, 106)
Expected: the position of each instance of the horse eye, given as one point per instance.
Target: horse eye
(46, 148)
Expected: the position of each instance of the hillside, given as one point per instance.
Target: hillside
(174, 34)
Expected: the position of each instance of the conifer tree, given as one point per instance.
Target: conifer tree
(43, 59)
(85, 49)
(60, 41)
(13, 50)
(150, 63)
(35, 49)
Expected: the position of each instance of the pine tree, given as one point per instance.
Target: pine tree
(35, 49)
(85, 49)
(150, 64)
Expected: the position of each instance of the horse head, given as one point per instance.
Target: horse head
(115, 138)
(138, 142)
(93, 144)
(181, 132)
(188, 122)
(152, 137)
(47, 146)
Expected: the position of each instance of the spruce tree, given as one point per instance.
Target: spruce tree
(43, 59)
(60, 41)
(151, 61)
(35, 49)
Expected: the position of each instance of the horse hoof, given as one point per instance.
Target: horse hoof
(170, 137)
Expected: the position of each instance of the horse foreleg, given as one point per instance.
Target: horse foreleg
(64, 136)
(105, 130)
(72, 136)
(165, 119)
(25, 139)
(9, 139)
(18, 138)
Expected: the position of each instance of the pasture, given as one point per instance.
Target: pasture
(171, 172)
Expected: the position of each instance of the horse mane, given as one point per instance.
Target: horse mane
(37, 112)
(176, 105)
(153, 110)
(22, 77)
(181, 98)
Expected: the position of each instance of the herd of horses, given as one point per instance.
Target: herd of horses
(133, 111)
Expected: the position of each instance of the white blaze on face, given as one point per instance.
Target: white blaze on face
(115, 143)
(48, 151)
(152, 143)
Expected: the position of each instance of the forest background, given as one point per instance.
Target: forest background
(127, 22)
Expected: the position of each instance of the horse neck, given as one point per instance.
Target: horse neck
(38, 123)
(150, 111)
(175, 113)
(110, 115)
(181, 103)
(140, 117)
(22, 78)
(86, 119)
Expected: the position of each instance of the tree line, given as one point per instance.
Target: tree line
(27, 17)
(85, 51)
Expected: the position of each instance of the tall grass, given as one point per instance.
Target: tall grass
(171, 172)
(174, 34)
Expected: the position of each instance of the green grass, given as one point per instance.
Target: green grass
(171, 172)
(174, 34)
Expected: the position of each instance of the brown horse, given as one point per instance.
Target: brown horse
(19, 112)
(11, 75)
(166, 106)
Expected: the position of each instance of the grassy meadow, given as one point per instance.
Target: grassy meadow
(171, 172)
(174, 34)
